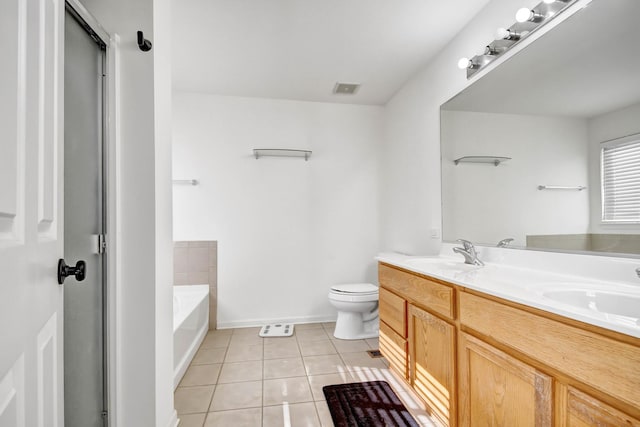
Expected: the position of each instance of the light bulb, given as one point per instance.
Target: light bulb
(524, 14)
(502, 33)
(548, 1)
(464, 63)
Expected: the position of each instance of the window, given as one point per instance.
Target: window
(621, 180)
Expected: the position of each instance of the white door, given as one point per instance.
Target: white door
(31, 225)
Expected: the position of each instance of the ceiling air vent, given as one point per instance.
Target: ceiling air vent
(346, 88)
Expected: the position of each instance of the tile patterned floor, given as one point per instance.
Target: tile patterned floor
(240, 379)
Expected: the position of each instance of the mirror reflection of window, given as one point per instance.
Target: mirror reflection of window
(620, 161)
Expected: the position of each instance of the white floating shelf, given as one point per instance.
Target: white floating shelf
(281, 152)
(494, 160)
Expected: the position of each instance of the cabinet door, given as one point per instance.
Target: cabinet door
(432, 363)
(496, 389)
(581, 410)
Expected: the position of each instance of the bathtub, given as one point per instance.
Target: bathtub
(190, 325)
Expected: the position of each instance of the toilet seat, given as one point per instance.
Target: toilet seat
(354, 292)
(355, 289)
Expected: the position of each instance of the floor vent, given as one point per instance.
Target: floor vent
(277, 330)
(374, 353)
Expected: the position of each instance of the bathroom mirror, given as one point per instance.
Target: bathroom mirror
(546, 112)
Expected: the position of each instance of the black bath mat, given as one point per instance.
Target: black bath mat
(367, 404)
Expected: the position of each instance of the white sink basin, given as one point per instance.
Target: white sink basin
(619, 304)
(440, 264)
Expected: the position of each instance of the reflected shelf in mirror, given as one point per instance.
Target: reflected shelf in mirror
(562, 187)
(281, 152)
(495, 160)
(185, 182)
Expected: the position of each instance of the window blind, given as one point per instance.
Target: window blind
(621, 180)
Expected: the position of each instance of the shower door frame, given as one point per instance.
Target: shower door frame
(111, 161)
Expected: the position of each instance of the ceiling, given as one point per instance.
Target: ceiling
(299, 49)
(585, 67)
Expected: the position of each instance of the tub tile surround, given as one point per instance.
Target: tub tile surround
(196, 263)
(278, 388)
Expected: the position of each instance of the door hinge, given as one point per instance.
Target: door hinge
(102, 243)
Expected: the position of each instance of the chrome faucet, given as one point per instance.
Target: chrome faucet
(504, 242)
(468, 251)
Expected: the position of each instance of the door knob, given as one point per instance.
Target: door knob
(64, 270)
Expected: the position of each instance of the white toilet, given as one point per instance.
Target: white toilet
(357, 306)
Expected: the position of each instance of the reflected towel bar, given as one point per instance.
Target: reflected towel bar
(186, 181)
(561, 187)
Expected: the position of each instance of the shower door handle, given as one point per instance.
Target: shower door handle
(79, 271)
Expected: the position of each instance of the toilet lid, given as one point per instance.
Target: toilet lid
(355, 288)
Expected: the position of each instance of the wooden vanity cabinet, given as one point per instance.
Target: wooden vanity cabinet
(477, 360)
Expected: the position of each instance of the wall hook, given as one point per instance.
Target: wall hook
(143, 44)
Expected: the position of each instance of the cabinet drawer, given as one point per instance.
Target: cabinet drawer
(394, 348)
(429, 294)
(605, 364)
(393, 311)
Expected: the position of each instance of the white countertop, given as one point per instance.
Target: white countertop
(532, 287)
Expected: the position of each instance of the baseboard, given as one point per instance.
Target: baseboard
(260, 322)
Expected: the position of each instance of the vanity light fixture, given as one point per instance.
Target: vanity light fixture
(525, 14)
(528, 21)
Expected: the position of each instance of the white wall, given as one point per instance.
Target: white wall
(286, 229)
(615, 124)
(144, 270)
(411, 150)
(484, 203)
